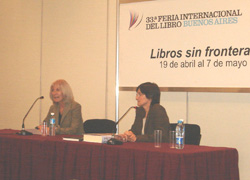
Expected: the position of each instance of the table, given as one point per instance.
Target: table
(50, 158)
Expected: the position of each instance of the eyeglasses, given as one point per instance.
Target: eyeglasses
(139, 94)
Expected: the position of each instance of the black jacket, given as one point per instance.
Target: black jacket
(157, 119)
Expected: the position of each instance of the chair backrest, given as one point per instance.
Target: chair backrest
(192, 133)
(99, 126)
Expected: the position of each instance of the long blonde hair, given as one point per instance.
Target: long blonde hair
(65, 88)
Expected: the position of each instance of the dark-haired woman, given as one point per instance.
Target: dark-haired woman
(150, 115)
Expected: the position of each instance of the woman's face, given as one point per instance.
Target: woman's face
(57, 95)
(142, 100)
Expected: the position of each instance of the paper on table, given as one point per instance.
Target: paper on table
(73, 138)
(34, 131)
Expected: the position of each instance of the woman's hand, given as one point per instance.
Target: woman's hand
(40, 128)
(131, 136)
(121, 137)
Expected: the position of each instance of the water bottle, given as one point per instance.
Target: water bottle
(52, 125)
(180, 134)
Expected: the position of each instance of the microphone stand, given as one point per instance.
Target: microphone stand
(114, 141)
(125, 114)
(23, 132)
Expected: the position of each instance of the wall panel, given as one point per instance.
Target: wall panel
(74, 49)
(20, 37)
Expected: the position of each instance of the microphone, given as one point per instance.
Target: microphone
(125, 114)
(114, 141)
(23, 132)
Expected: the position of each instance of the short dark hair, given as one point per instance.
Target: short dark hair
(151, 90)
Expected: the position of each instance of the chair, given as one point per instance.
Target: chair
(99, 126)
(192, 133)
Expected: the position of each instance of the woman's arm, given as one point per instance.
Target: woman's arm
(72, 123)
(157, 120)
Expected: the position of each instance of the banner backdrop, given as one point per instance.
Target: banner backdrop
(183, 43)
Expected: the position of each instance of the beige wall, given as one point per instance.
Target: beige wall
(44, 40)
(20, 40)
(74, 48)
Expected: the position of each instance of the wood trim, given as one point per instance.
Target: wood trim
(194, 89)
(131, 1)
